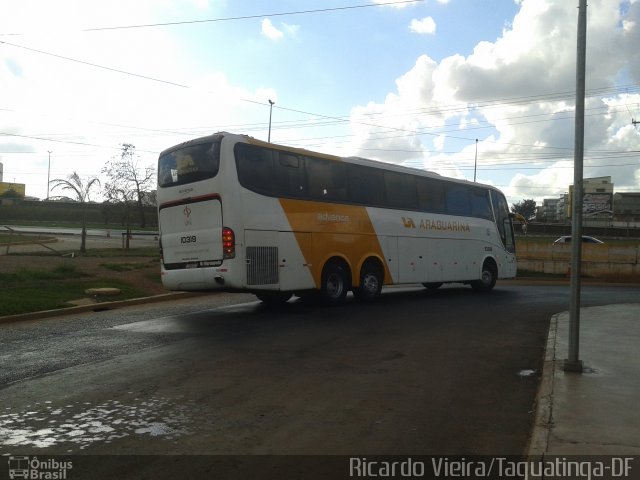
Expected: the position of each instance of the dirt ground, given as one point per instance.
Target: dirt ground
(138, 271)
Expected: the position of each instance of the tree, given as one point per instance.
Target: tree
(81, 190)
(526, 208)
(128, 181)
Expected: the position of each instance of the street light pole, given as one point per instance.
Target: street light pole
(48, 174)
(475, 164)
(271, 103)
(573, 363)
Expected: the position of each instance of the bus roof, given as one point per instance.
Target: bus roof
(301, 151)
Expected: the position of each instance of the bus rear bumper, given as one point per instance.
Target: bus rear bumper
(196, 279)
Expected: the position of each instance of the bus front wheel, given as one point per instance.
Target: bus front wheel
(335, 283)
(488, 279)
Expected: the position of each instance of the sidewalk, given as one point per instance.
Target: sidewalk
(595, 412)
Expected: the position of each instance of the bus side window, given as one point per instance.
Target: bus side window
(366, 185)
(430, 194)
(327, 179)
(255, 168)
(480, 206)
(458, 200)
(401, 190)
(289, 175)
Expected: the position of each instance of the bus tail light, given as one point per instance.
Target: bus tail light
(161, 253)
(228, 243)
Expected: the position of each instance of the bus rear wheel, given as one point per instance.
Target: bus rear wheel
(371, 279)
(488, 279)
(335, 284)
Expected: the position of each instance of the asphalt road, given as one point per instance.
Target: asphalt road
(418, 373)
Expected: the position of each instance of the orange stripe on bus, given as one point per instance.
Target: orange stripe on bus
(338, 230)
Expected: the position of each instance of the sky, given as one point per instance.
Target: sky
(432, 84)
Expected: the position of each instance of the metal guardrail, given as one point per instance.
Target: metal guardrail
(11, 243)
(15, 233)
(560, 229)
(131, 234)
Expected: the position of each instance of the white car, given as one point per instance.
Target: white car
(585, 239)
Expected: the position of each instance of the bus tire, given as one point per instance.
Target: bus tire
(371, 279)
(432, 285)
(274, 298)
(335, 283)
(488, 279)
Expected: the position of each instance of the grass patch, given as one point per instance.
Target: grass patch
(61, 272)
(154, 276)
(150, 252)
(126, 266)
(29, 290)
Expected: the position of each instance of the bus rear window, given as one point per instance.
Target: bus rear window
(189, 164)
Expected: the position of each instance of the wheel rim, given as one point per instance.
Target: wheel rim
(335, 285)
(487, 277)
(370, 283)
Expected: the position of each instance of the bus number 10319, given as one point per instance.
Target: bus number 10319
(188, 239)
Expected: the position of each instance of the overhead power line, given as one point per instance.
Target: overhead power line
(242, 17)
(95, 65)
(330, 119)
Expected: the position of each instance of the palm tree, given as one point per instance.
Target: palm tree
(81, 190)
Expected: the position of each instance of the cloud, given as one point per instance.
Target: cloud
(402, 3)
(83, 113)
(552, 181)
(394, 3)
(291, 30)
(273, 33)
(515, 95)
(425, 26)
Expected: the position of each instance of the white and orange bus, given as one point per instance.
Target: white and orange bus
(240, 214)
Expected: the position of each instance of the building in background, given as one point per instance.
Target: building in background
(601, 207)
(548, 211)
(626, 212)
(10, 190)
(597, 202)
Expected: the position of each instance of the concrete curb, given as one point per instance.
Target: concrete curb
(98, 307)
(543, 420)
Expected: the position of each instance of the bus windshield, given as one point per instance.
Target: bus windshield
(503, 221)
(188, 164)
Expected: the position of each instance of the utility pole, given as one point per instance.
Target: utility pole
(475, 163)
(573, 363)
(271, 103)
(48, 173)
